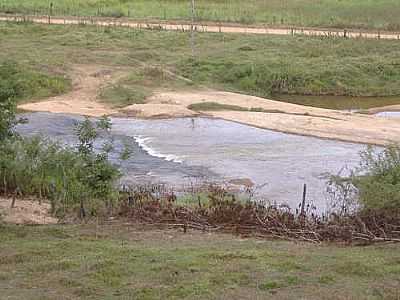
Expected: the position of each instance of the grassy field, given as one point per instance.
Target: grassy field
(80, 262)
(30, 82)
(367, 14)
(258, 65)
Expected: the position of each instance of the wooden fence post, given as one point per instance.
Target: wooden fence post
(303, 202)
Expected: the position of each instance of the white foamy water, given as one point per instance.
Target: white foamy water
(182, 151)
(278, 163)
(145, 144)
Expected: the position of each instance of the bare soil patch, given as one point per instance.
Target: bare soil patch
(87, 81)
(26, 212)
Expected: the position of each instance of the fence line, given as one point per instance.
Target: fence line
(200, 27)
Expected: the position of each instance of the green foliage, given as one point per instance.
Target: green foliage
(20, 82)
(276, 64)
(379, 187)
(66, 176)
(121, 96)
(382, 14)
(45, 169)
(111, 262)
(7, 116)
(214, 106)
(375, 185)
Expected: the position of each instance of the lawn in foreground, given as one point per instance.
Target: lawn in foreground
(121, 262)
(382, 14)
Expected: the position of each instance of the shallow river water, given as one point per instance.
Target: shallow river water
(181, 151)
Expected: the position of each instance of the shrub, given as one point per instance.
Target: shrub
(379, 187)
(375, 184)
(68, 177)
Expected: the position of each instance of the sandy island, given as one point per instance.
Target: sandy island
(275, 115)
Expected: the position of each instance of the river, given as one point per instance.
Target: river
(179, 152)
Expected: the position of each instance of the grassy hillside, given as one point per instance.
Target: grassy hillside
(259, 65)
(116, 262)
(367, 14)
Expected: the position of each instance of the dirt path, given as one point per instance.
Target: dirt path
(87, 80)
(202, 27)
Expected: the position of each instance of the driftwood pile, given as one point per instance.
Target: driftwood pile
(224, 213)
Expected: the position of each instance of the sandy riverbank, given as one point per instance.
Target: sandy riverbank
(276, 115)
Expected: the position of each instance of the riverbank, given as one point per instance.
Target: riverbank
(276, 115)
(116, 261)
(257, 112)
(259, 65)
(155, 72)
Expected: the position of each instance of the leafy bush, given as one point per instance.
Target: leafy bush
(375, 184)
(379, 187)
(69, 177)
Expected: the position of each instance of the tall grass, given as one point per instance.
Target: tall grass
(21, 82)
(259, 65)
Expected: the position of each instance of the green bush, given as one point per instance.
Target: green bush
(372, 187)
(68, 177)
(379, 186)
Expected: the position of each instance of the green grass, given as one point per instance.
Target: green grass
(369, 14)
(137, 86)
(214, 106)
(22, 82)
(121, 96)
(276, 64)
(116, 262)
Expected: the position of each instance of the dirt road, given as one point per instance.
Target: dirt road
(202, 27)
(87, 81)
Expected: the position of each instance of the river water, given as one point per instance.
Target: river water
(179, 152)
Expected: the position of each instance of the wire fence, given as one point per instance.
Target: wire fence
(201, 27)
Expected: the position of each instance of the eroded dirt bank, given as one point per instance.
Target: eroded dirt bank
(87, 80)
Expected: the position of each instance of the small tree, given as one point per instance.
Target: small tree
(8, 118)
(98, 174)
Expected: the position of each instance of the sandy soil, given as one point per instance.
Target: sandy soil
(201, 27)
(156, 111)
(82, 100)
(276, 115)
(284, 117)
(26, 212)
(391, 108)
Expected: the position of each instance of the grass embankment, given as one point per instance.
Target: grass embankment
(258, 65)
(381, 14)
(116, 262)
(137, 86)
(22, 81)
